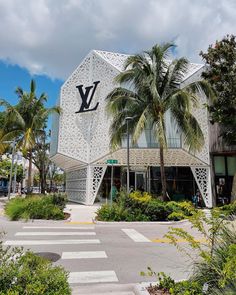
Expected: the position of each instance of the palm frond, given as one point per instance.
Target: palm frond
(140, 125)
(13, 117)
(32, 86)
(202, 86)
(11, 135)
(190, 128)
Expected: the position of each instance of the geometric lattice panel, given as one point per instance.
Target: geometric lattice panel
(96, 176)
(202, 178)
(151, 157)
(76, 185)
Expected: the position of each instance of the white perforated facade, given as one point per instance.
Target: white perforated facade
(80, 142)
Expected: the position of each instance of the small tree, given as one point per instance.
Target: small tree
(220, 60)
(5, 167)
(40, 158)
(26, 121)
(216, 265)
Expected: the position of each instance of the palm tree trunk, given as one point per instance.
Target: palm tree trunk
(29, 173)
(42, 179)
(42, 184)
(163, 176)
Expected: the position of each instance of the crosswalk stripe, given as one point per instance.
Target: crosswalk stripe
(135, 235)
(55, 233)
(58, 227)
(92, 277)
(83, 254)
(49, 242)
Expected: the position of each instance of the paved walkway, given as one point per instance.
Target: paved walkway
(81, 213)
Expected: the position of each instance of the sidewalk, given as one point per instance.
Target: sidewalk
(81, 213)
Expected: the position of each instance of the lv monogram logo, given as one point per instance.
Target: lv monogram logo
(87, 97)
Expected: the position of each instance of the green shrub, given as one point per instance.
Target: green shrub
(112, 213)
(136, 215)
(217, 256)
(34, 207)
(179, 288)
(157, 210)
(166, 285)
(140, 197)
(138, 206)
(26, 273)
(176, 216)
(229, 209)
(118, 213)
(14, 208)
(186, 208)
(59, 199)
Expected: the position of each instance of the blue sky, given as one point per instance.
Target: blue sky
(12, 76)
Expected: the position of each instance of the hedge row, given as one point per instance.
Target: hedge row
(143, 207)
(36, 207)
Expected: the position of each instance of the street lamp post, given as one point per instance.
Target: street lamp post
(15, 173)
(127, 119)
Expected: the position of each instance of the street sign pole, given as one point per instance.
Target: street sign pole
(111, 181)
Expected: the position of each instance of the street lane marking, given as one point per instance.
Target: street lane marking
(58, 227)
(135, 235)
(92, 277)
(83, 254)
(49, 242)
(49, 233)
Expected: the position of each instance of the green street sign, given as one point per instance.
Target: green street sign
(112, 161)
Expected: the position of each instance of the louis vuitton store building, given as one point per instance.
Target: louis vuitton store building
(80, 140)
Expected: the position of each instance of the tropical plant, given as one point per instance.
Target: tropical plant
(23, 272)
(216, 265)
(36, 207)
(150, 88)
(5, 167)
(139, 206)
(40, 158)
(25, 121)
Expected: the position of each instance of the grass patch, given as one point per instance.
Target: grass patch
(36, 207)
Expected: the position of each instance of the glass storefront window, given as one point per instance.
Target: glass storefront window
(231, 163)
(219, 163)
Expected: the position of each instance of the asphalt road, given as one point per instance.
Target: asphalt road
(104, 252)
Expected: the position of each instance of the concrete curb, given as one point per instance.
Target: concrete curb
(141, 222)
(107, 288)
(141, 289)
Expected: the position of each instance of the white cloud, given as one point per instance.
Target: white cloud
(53, 36)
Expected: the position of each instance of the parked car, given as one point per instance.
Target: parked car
(3, 186)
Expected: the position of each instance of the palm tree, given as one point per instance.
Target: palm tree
(152, 87)
(26, 121)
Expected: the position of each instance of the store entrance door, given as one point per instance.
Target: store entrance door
(140, 183)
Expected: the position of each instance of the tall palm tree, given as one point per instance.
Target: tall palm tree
(26, 121)
(150, 86)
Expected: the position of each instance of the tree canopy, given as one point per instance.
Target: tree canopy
(220, 60)
(25, 122)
